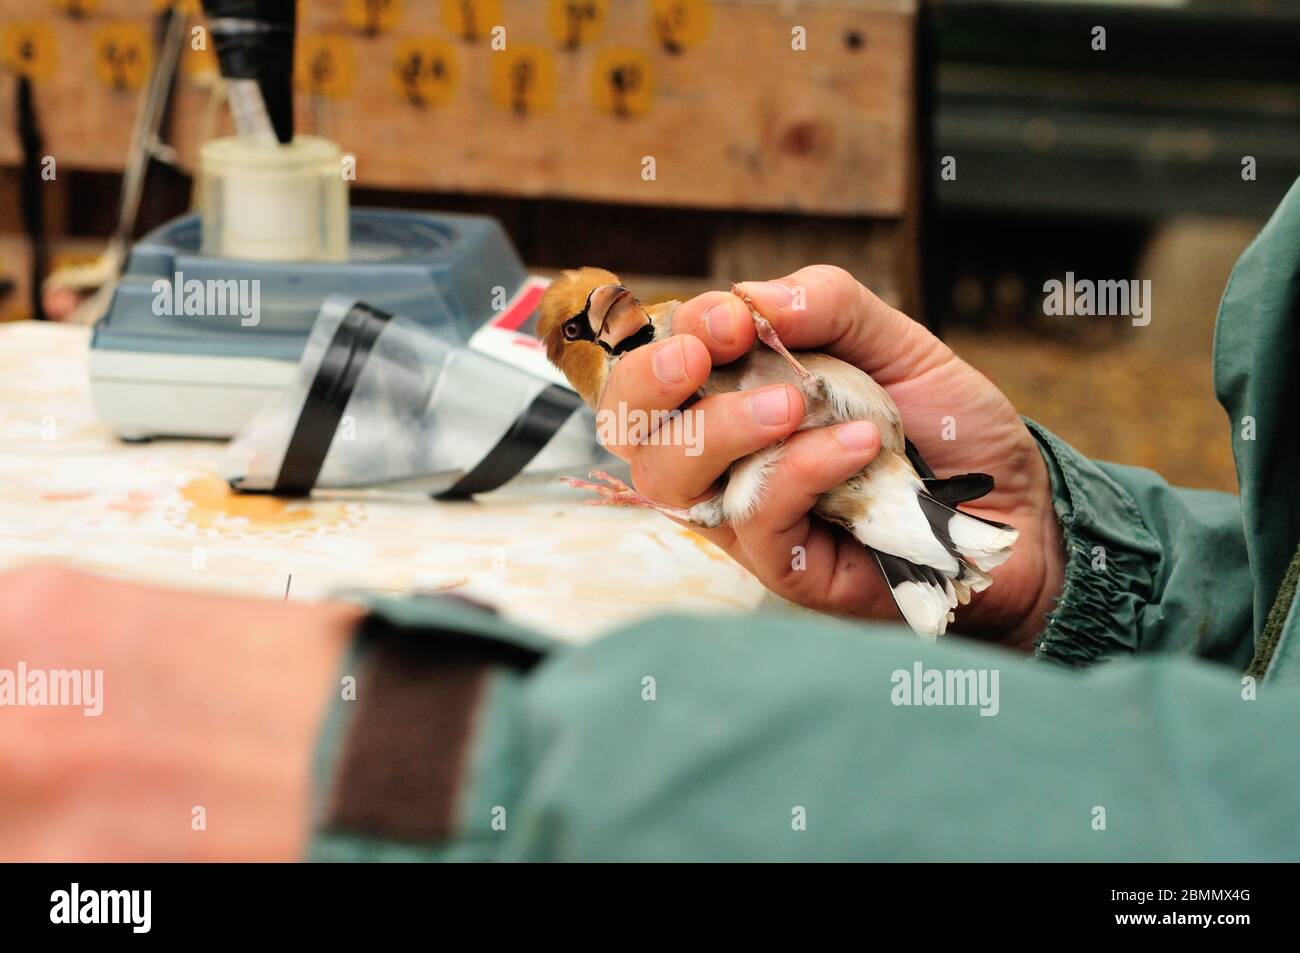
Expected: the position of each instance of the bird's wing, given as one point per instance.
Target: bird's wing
(954, 489)
(852, 394)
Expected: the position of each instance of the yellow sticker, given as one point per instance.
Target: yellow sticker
(425, 71)
(575, 23)
(523, 78)
(325, 65)
(188, 7)
(30, 50)
(471, 20)
(122, 55)
(680, 24)
(372, 16)
(622, 82)
(77, 8)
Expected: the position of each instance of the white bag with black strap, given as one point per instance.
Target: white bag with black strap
(382, 401)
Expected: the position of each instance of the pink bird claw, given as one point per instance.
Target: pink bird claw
(610, 500)
(614, 482)
(608, 489)
(614, 492)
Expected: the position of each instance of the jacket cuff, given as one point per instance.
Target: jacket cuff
(1112, 560)
(409, 765)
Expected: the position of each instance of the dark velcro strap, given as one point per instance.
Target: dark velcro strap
(327, 399)
(531, 432)
(405, 752)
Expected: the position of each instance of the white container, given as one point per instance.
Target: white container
(269, 202)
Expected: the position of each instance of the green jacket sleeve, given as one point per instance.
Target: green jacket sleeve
(1152, 568)
(1257, 380)
(748, 738)
(1149, 567)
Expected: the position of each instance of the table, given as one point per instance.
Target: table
(70, 492)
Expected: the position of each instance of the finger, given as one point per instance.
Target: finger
(688, 453)
(647, 382)
(824, 307)
(815, 462)
(720, 320)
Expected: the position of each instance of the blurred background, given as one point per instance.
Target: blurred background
(954, 155)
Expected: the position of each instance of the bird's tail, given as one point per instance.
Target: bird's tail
(985, 544)
(927, 595)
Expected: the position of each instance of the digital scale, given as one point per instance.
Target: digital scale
(157, 371)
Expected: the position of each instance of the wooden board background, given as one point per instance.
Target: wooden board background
(738, 121)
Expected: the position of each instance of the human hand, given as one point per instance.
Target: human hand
(958, 420)
(208, 701)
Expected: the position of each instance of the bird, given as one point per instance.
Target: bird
(931, 554)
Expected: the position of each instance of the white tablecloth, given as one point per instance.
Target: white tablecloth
(70, 492)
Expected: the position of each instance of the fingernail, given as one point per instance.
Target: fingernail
(670, 363)
(770, 406)
(718, 319)
(858, 435)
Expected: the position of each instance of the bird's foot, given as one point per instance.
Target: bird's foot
(612, 491)
(812, 385)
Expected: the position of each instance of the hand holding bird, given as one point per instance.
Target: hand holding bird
(805, 454)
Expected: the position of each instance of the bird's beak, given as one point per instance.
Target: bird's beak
(615, 315)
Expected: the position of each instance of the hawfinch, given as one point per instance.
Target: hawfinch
(932, 555)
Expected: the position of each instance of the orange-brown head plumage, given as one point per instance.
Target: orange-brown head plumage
(583, 317)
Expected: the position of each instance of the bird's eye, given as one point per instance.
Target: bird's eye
(572, 329)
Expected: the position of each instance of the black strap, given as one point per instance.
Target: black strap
(531, 432)
(327, 398)
(32, 193)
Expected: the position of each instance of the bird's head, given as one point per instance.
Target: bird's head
(588, 320)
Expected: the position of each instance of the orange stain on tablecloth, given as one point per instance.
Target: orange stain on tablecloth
(216, 506)
(137, 501)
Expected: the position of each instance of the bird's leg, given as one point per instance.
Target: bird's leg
(612, 491)
(812, 384)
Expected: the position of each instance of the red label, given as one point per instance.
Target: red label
(524, 305)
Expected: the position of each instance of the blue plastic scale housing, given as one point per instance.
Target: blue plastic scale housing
(156, 374)
(424, 266)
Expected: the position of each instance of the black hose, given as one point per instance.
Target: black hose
(254, 40)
